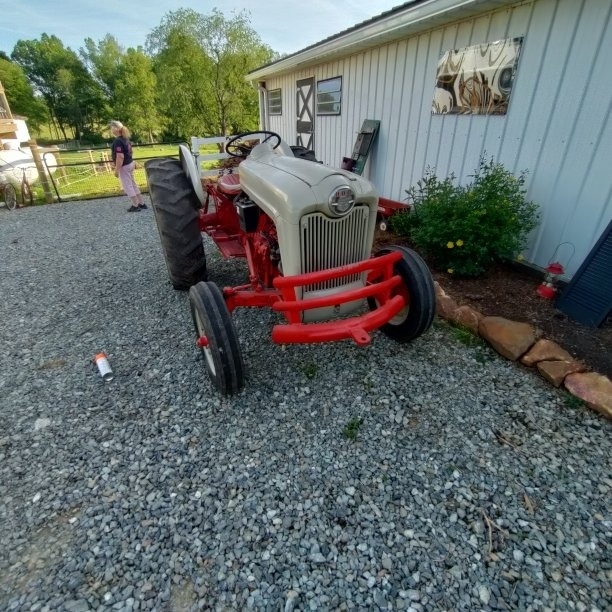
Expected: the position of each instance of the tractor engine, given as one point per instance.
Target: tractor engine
(260, 234)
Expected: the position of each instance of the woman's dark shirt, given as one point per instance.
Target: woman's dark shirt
(122, 145)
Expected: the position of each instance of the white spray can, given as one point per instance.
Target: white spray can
(104, 367)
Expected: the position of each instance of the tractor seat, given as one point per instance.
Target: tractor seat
(229, 184)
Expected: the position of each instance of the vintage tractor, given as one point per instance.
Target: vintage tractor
(306, 231)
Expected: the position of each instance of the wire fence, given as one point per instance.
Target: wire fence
(81, 174)
(89, 173)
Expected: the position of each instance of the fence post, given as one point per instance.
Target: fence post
(62, 168)
(42, 173)
(195, 151)
(93, 163)
(106, 161)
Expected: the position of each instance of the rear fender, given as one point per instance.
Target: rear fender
(192, 172)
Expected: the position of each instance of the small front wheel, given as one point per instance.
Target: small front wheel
(216, 337)
(10, 196)
(417, 288)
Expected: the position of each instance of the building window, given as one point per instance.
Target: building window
(275, 102)
(329, 96)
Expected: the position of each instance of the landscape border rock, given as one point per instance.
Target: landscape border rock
(593, 388)
(523, 343)
(509, 338)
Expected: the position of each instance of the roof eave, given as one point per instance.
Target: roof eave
(401, 23)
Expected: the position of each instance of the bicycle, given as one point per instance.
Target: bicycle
(26, 197)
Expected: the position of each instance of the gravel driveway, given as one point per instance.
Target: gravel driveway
(429, 476)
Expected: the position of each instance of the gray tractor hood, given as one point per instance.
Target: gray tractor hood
(288, 187)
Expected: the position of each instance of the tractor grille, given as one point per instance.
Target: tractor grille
(329, 243)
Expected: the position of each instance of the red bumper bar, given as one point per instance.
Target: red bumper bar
(351, 295)
(356, 328)
(380, 273)
(373, 264)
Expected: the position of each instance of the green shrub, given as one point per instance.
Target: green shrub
(465, 229)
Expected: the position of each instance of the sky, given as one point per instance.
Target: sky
(285, 25)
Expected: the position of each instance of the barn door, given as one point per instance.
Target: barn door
(305, 113)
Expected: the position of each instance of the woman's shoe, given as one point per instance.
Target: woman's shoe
(143, 206)
(133, 209)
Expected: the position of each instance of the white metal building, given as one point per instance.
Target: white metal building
(557, 125)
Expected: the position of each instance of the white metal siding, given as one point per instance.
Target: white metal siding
(558, 126)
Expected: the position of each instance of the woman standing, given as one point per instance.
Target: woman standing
(124, 164)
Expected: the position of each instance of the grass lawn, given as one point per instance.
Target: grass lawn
(86, 174)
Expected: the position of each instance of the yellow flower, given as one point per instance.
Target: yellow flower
(520, 257)
(459, 243)
(450, 270)
(450, 245)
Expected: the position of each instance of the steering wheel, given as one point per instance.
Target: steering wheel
(235, 147)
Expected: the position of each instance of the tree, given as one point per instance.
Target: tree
(128, 79)
(201, 62)
(103, 60)
(184, 91)
(134, 99)
(73, 97)
(20, 94)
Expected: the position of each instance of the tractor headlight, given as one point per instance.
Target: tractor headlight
(341, 201)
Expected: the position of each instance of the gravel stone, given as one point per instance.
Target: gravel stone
(518, 555)
(386, 562)
(484, 594)
(152, 492)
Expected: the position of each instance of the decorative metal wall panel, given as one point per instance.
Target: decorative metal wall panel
(476, 80)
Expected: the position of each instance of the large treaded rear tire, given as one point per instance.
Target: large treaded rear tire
(175, 206)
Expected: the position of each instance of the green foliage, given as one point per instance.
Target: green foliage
(20, 94)
(102, 60)
(573, 402)
(200, 62)
(466, 336)
(351, 429)
(134, 99)
(129, 83)
(74, 99)
(465, 229)
(89, 138)
(184, 92)
(484, 355)
(310, 369)
(190, 81)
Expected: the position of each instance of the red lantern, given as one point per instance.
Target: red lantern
(548, 288)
